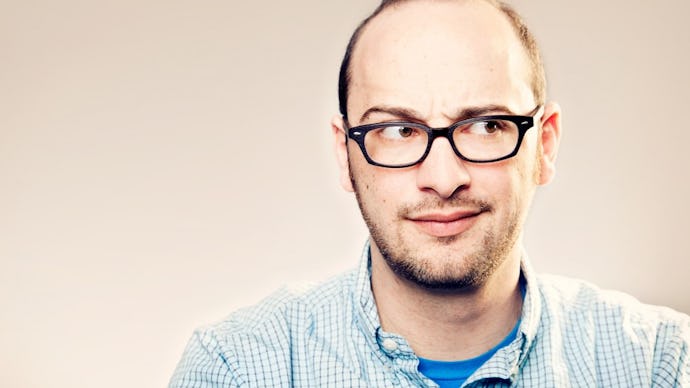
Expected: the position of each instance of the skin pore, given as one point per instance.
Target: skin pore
(445, 233)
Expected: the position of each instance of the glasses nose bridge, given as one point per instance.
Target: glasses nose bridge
(446, 132)
(443, 132)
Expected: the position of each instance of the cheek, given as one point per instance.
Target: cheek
(377, 183)
(524, 168)
(524, 181)
(381, 192)
(502, 184)
(492, 180)
(380, 188)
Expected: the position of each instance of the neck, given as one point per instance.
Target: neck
(448, 325)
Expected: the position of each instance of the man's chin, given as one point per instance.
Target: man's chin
(441, 282)
(451, 273)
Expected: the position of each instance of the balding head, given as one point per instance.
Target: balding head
(519, 29)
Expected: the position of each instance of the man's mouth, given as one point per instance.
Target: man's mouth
(446, 224)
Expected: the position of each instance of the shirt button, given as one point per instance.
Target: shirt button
(390, 344)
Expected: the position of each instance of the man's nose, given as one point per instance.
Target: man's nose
(442, 171)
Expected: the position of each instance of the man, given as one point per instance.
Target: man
(444, 135)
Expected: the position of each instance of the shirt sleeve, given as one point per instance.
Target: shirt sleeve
(672, 355)
(684, 362)
(205, 364)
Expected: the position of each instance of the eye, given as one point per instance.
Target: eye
(398, 132)
(489, 127)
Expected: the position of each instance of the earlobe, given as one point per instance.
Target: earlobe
(550, 137)
(340, 148)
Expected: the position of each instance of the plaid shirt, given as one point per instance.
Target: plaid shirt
(572, 335)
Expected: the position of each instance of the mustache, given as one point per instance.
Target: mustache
(457, 200)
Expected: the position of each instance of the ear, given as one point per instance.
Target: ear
(340, 147)
(550, 137)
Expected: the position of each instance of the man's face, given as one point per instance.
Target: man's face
(444, 223)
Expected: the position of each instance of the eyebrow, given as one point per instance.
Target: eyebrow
(408, 114)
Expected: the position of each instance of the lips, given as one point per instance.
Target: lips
(446, 224)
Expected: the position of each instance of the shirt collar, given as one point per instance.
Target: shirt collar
(531, 305)
(365, 305)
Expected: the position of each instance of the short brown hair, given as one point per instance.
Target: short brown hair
(523, 33)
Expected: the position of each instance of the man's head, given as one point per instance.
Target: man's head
(445, 222)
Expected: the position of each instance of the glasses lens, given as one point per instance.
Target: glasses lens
(484, 140)
(396, 145)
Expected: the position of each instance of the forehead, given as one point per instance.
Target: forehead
(437, 57)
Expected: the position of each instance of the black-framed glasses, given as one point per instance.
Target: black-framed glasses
(483, 139)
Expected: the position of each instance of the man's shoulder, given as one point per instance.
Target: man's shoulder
(289, 308)
(610, 337)
(256, 345)
(613, 321)
(581, 297)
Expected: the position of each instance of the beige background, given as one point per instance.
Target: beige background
(163, 163)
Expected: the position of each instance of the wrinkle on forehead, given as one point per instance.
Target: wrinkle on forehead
(435, 56)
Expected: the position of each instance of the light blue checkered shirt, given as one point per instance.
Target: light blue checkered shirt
(572, 335)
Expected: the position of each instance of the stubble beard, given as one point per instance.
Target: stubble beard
(462, 269)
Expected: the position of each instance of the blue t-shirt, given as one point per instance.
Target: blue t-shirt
(452, 374)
